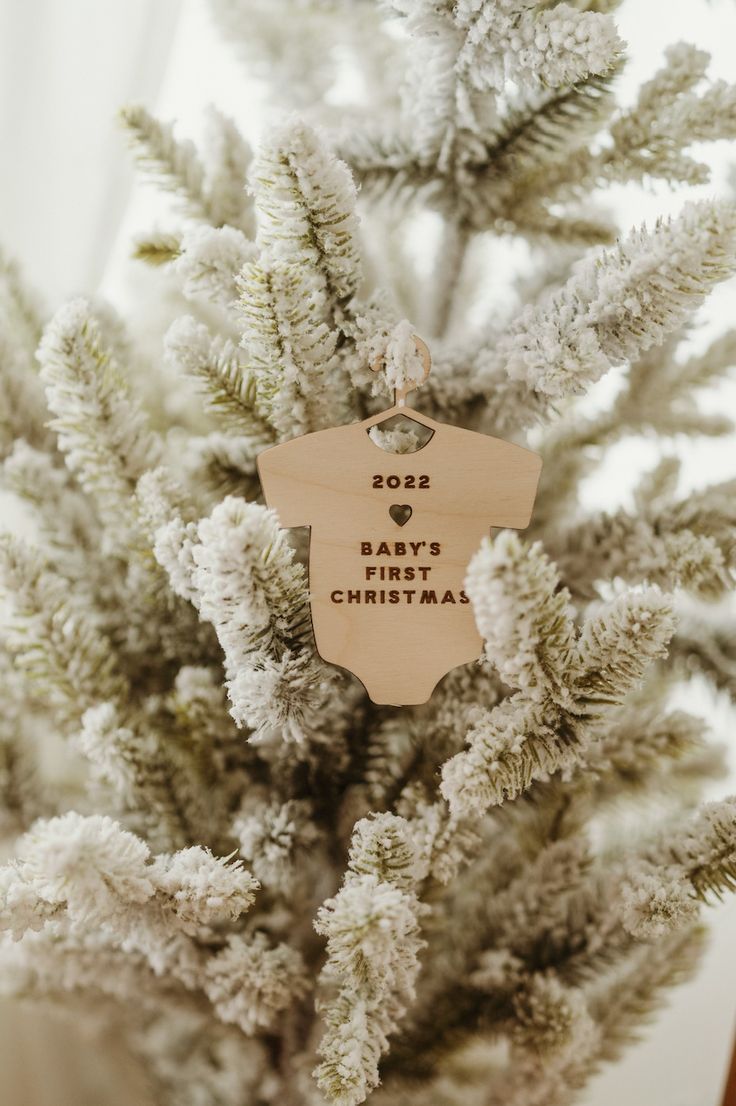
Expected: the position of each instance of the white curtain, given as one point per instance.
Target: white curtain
(66, 66)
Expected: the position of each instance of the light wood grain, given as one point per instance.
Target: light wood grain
(729, 1091)
(387, 596)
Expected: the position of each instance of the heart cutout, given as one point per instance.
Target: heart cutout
(400, 513)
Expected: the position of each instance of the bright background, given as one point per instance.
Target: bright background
(68, 207)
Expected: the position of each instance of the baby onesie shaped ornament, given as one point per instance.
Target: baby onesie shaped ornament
(391, 538)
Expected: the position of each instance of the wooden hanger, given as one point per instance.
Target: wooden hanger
(399, 405)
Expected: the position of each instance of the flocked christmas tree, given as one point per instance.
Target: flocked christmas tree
(272, 890)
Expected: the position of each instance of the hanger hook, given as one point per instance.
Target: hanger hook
(400, 394)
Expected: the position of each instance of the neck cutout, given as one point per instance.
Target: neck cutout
(397, 431)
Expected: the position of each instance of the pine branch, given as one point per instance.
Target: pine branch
(509, 41)
(647, 750)
(167, 908)
(141, 773)
(227, 156)
(668, 117)
(523, 615)
(613, 308)
(618, 1011)
(305, 202)
(57, 645)
(277, 839)
(631, 1001)
(158, 248)
(62, 512)
(254, 593)
(661, 391)
(101, 430)
(290, 347)
(686, 544)
(617, 645)
(19, 305)
(23, 796)
(219, 367)
(542, 129)
(707, 647)
(529, 737)
(250, 983)
(706, 854)
(372, 930)
(223, 464)
(658, 396)
(526, 165)
(174, 162)
(23, 413)
(499, 180)
(210, 262)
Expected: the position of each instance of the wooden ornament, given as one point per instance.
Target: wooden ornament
(729, 1091)
(391, 538)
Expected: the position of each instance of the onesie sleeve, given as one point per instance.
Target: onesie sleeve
(507, 476)
(283, 488)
